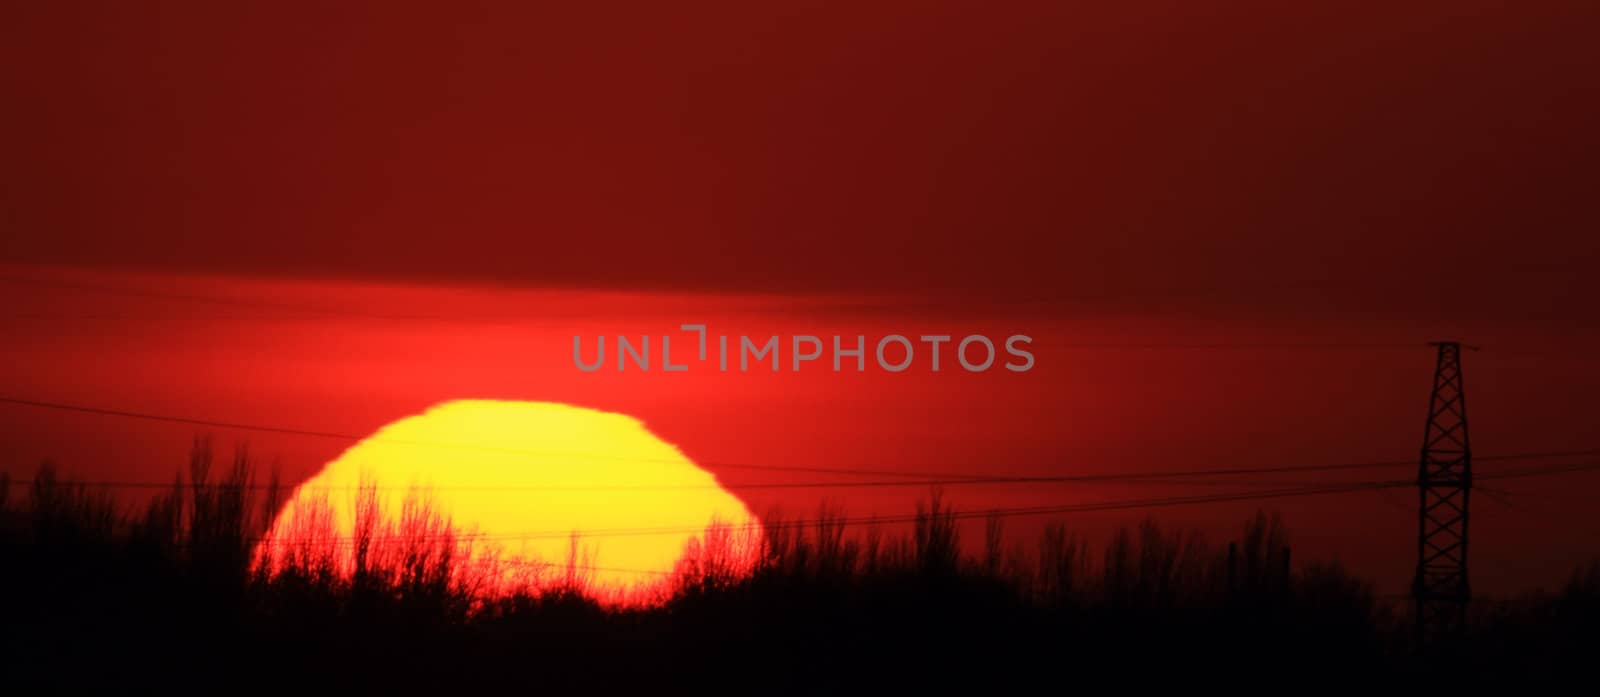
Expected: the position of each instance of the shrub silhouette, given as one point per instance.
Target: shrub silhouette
(189, 591)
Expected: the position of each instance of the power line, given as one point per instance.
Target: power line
(908, 518)
(557, 566)
(562, 566)
(1125, 504)
(124, 291)
(1097, 506)
(1131, 479)
(878, 520)
(461, 446)
(1246, 346)
(923, 478)
(458, 446)
(1169, 478)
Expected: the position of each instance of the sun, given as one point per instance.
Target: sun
(519, 479)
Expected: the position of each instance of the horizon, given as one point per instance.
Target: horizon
(625, 270)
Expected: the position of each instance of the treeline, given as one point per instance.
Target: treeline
(179, 595)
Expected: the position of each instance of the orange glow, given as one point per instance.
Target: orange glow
(517, 479)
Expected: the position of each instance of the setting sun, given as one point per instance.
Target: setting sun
(517, 480)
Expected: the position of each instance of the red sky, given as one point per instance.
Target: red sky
(466, 188)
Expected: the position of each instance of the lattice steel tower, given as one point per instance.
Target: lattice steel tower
(1444, 482)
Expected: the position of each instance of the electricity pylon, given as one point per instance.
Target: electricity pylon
(1444, 482)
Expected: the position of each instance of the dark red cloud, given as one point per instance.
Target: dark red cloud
(1044, 150)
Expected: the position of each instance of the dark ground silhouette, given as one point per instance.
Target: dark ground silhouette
(169, 598)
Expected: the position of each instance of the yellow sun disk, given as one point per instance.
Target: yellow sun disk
(522, 476)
